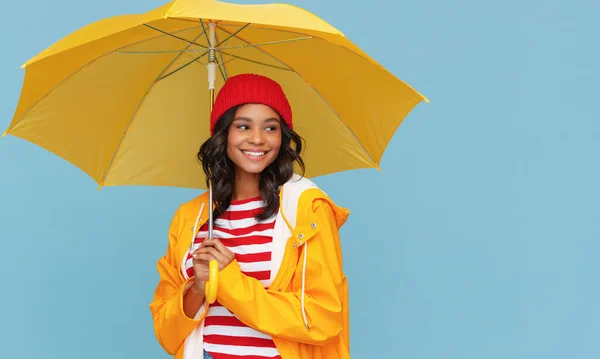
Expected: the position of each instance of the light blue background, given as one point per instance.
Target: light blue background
(478, 240)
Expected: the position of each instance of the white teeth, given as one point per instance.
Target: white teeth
(254, 153)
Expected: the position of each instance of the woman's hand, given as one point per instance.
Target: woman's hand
(209, 250)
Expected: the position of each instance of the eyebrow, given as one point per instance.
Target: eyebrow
(247, 119)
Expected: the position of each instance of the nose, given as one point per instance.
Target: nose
(256, 136)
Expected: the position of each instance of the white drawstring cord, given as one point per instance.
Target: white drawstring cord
(305, 255)
(196, 227)
(304, 285)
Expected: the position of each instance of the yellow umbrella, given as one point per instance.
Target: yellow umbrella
(124, 98)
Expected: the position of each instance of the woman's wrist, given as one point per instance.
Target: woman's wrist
(193, 300)
(197, 288)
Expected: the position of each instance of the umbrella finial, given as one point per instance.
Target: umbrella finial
(3, 135)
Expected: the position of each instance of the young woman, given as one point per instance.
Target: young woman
(277, 298)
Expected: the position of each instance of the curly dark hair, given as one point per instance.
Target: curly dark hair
(220, 170)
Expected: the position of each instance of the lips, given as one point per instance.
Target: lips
(254, 153)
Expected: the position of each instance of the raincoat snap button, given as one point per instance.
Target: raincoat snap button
(314, 225)
(300, 236)
(294, 245)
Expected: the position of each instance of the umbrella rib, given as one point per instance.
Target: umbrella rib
(195, 59)
(254, 61)
(86, 65)
(137, 110)
(232, 55)
(158, 52)
(223, 24)
(232, 35)
(177, 37)
(317, 92)
(268, 28)
(289, 68)
(265, 43)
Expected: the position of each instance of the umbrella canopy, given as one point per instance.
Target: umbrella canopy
(125, 98)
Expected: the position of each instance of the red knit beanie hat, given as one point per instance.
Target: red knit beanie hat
(250, 88)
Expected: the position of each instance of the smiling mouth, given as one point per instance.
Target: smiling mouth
(254, 154)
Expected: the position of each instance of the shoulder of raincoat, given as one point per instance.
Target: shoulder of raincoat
(305, 309)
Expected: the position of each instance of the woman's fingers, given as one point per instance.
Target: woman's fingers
(224, 250)
(213, 249)
(203, 258)
(208, 250)
(227, 254)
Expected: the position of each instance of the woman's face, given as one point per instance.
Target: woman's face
(254, 138)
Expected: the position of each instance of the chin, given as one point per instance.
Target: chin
(255, 170)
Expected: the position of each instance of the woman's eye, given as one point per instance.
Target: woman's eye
(243, 127)
(272, 128)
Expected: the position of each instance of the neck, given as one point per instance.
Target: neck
(246, 186)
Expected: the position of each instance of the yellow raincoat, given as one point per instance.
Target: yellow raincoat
(305, 309)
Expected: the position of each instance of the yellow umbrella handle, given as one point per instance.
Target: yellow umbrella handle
(212, 284)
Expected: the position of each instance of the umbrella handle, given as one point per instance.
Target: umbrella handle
(212, 284)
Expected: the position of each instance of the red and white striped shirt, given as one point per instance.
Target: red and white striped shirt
(225, 336)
